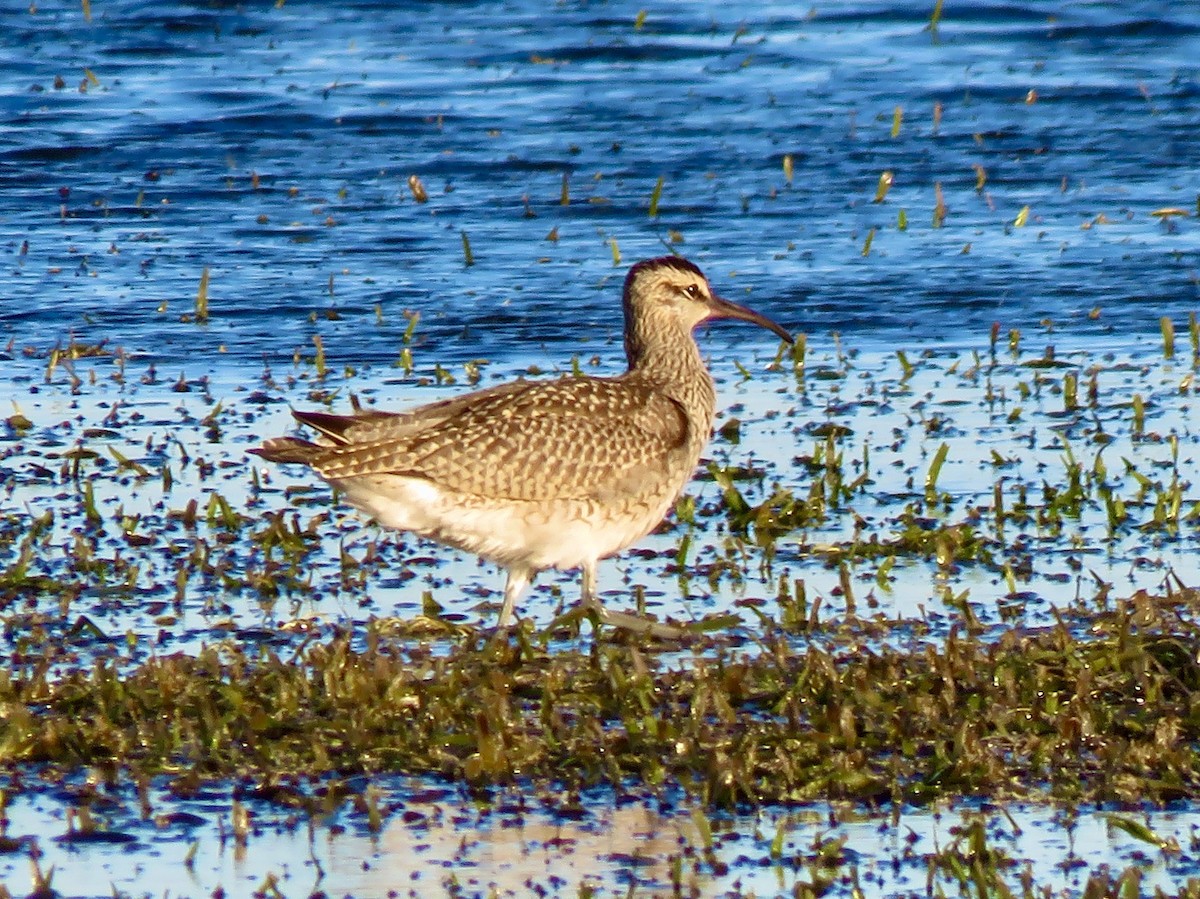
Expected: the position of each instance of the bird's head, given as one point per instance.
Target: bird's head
(669, 293)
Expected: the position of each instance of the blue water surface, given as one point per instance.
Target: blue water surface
(272, 145)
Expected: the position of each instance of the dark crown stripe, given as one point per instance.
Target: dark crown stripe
(676, 262)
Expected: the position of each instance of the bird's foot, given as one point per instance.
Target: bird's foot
(638, 624)
(568, 620)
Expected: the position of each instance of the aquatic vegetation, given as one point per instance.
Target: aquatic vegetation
(1102, 716)
(895, 606)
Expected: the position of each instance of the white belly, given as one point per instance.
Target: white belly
(555, 534)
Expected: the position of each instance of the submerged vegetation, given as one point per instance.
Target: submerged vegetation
(1110, 715)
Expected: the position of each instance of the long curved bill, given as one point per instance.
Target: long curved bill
(722, 308)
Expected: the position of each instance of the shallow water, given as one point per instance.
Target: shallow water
(438, 842)
(271, 145)
(189, 445)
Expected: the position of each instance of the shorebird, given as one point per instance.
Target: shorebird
(545, 474)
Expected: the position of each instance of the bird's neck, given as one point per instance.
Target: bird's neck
(675, 367)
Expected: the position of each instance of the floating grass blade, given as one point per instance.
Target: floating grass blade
(1010, 579)
(639, 20)
(902, 220)
(884, 185)
(413, 319)
(883, 573)
(939, 206)
(788, 169)
(319, 361)
(936, 16)
(739, 508)
(126, 464)
(799, 355)
(866, 250)
(1168, 334)
(202, 297)
(240, 818)
(1093, 389)
(417, 189)
(468, 256)
(980, 177)
(1169, 212)
(780, 834)
(89, 504)
(1070, 391)
(655, 195)
(564, 198)
(1139, 415)
(616, 251)
(1136, 829)
(1022, 217)
(18, 421)
(1145, 485)
(935, 468)
(944, 550)
(897, 120)
(681, 552)
(1194, 334)
(847, 587)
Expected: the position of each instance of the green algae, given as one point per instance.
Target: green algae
(1113, 715)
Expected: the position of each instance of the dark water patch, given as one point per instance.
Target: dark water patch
(1102, 35)
(50, 153)
(140, 53)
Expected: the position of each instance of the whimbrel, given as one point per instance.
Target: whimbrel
(544, 474)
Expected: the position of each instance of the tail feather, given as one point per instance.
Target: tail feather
(289, 449)
(340, 429)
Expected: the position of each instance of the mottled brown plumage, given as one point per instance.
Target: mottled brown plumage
(540, 474)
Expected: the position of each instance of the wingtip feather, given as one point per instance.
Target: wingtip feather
(287, 449)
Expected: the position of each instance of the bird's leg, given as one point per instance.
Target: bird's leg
(589, 601)
(636, 623)
(517, 580)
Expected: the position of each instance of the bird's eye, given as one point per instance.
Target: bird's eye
(693, 291)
